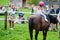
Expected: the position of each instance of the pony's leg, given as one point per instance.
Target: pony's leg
(59, 34)
(31, 33)
(36, 35)
(57, 26)
(44, 34)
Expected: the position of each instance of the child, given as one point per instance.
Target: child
(47, 8)
(52, 11)
(20, 17)
(2, 9)
(57, 10)
(11, 21)
(11, 16)
(41, 11)
(58, 17)
(32, 10)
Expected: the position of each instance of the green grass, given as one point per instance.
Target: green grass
(21, 32)
(25, 10)
(1, 16)
(4, 2)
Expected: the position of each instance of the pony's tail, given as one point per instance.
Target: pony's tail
(30, 23)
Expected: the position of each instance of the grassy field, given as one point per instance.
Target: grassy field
(21, 31)
(4, 2)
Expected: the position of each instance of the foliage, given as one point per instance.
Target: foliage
(34, 2)
(37, 1)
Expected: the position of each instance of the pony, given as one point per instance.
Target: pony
(53, 19)
(38, 23)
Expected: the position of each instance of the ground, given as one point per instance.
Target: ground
(21, 31)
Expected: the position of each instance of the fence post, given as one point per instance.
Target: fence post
(5, 23)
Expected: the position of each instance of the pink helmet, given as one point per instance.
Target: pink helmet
(41, 4)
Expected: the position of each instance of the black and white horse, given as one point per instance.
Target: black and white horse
(54, 20)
